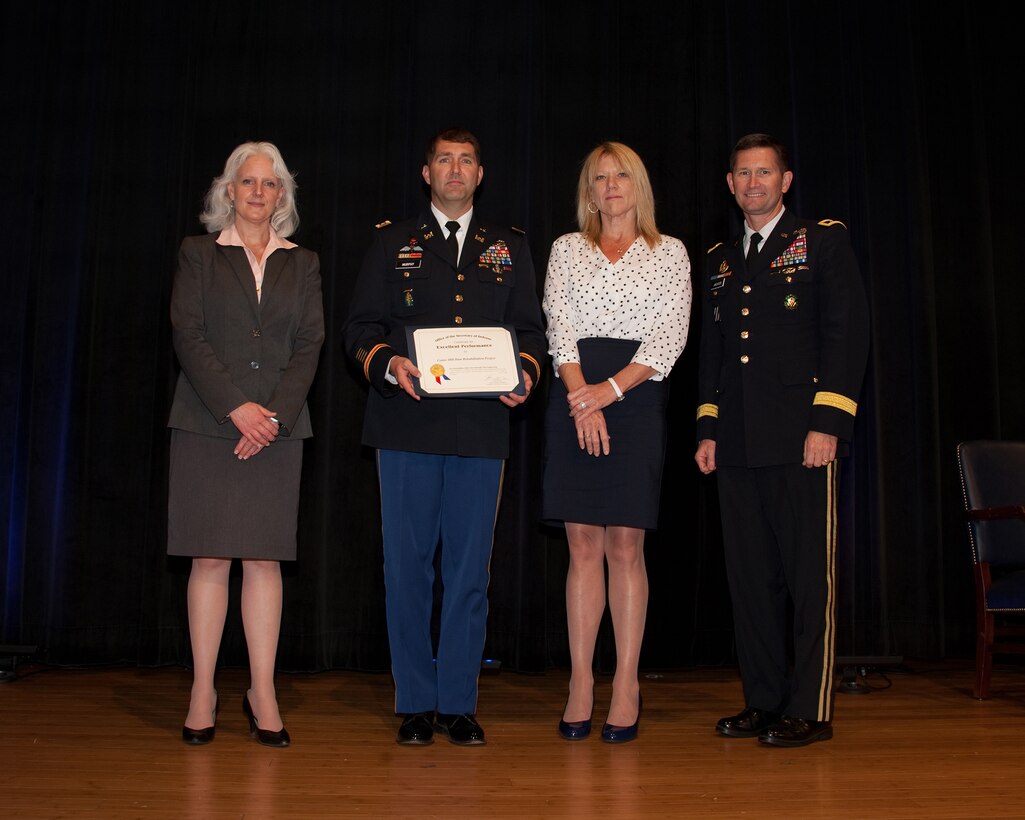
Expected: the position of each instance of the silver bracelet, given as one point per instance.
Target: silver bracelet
(619, 393)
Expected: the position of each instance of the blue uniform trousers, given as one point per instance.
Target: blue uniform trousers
(427, 499)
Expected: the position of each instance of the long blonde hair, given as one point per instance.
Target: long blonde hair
(629, 161)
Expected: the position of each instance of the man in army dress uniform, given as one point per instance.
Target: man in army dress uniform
(440, 460)
(783, 349)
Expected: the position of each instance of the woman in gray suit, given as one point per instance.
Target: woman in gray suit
(248, 325)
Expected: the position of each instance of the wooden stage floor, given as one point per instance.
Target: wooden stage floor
(105, 743)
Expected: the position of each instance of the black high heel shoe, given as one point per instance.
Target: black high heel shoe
(264, 736)
(200, 737)
(622, 734)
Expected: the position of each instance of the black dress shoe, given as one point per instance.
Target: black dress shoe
(416, 730)
(749, 723)
(463, 730)
(793, 731)
(264, 736)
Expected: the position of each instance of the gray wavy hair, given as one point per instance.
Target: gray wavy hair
(217, 211)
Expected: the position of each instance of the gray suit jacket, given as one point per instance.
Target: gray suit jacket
(234, 349)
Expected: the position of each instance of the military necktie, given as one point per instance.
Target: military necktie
(752, 251)
(453, 241)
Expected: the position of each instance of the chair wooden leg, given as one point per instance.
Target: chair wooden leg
(984, 655)
(984, 626)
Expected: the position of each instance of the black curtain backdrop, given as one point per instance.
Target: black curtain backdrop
(117, 116)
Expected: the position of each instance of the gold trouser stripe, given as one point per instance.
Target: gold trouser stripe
(829, 633)
(370, 355)
(533, 361)
(837, 401)
(711, 410)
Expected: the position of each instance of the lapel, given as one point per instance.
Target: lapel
(429, 232)
(734, 253)
(239, 264)
(781, 237)
(272, 272)
(475, 244)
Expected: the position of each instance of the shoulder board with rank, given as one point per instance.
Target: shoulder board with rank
(829, 223)
(384, 224)
(520, 231)
(716, 245)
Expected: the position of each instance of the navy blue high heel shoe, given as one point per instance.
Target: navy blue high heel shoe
(622, 734)
(264, 736)
(575, 729)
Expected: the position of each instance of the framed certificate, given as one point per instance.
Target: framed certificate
(474, 362)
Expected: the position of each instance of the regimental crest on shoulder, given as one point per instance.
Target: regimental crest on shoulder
(829, 223)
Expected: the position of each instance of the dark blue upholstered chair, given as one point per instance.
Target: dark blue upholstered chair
(993, 485)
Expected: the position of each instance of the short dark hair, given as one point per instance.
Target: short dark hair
(761, 141)
(452, 135)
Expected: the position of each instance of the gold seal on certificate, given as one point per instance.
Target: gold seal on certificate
(465, 361)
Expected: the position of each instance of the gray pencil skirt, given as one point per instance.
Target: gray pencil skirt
(220, 507)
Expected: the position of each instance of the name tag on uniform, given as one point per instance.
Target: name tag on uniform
(718, 280)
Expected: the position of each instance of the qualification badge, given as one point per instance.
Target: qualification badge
(410, 256)
(407, 297)
(438, 371)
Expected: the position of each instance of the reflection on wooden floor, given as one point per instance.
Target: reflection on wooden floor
(106, 743)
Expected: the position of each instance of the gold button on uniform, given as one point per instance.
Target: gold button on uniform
(745, 359)
(745, 311)
(405, 274)
(459, 320)
(743, 334)
(460, 277)
(498, 279)
(459, 297)
(746, 288)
